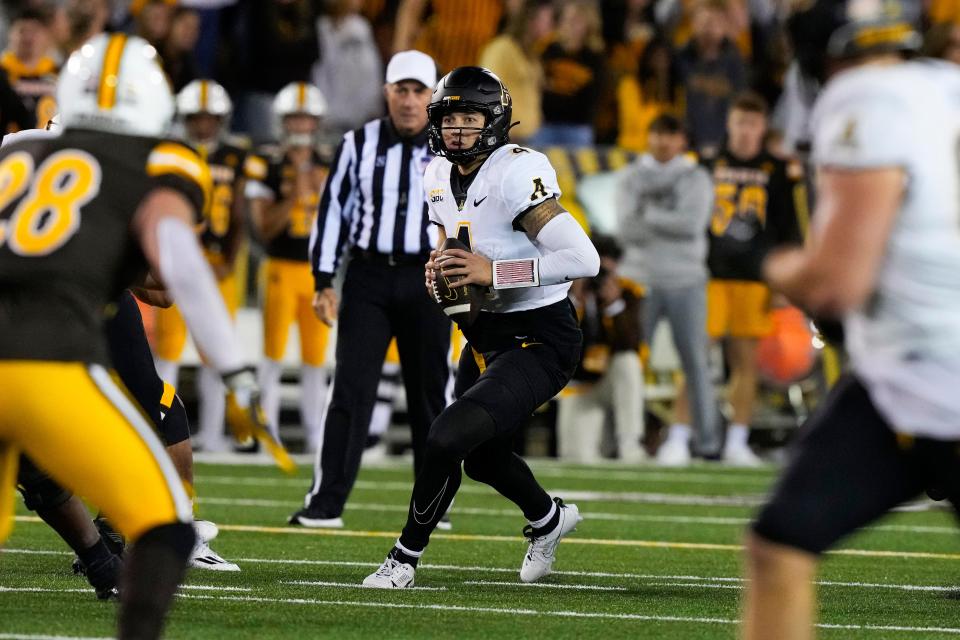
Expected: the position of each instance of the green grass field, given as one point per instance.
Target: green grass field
(657, 556)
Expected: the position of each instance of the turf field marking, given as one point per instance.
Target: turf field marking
(211, 587)
(607, 542)
(544, 585)
(568, 494)
(349, 585)
(699, 581)
(565, 614)
(592, 515)
(33, 636)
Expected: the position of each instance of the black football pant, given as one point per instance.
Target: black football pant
(379, 302)
(848, 469)
(515, 362)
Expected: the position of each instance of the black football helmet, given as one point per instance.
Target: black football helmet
(823, 30)
(470, 89)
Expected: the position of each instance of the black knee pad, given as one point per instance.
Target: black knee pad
(458, 429)
(174, 427)
(39, 491)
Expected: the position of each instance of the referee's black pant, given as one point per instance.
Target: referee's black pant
(379, 301)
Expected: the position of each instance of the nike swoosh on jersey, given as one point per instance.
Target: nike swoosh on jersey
(477, 203)
(524, 345)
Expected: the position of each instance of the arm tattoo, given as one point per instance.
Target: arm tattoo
(535, 219)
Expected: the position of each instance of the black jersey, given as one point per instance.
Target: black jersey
(66, 249)
(293, 243)
(228, 165)
(753, 212)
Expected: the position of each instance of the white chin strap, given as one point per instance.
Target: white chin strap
(299, 139)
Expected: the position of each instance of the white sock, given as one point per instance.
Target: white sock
(168, 370)
(737, 435)
(269, 378)
(542, 522)
(313, 395)
(413, 554)
(210, 435)
(680, 433)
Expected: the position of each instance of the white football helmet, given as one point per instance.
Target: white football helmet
(204, 96)
(114, 83)
(298, 98)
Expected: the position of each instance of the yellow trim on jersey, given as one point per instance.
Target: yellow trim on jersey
(166, 400)
(301, 94)
(479, 359)
(204, 94)
(172, 157)
(16, 68)
(107, 91)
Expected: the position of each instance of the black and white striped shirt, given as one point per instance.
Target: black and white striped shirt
(373, 199)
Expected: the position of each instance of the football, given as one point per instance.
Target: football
(461, 304)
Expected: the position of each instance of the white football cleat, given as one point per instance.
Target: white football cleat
(206, 530)
(542, 550)
(741, 456)
(674, 452)
(203, 557)
(392, 574)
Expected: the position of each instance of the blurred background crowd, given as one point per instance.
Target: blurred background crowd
(707, 85)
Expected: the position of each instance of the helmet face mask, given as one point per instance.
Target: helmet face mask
(470, 90)
(203, 127)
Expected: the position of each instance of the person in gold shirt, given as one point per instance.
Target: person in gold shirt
(31, 72)
(455, 32)
(283, 206)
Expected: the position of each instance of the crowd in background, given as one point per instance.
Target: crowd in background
(582, 73)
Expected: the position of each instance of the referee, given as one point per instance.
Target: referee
(374, 203)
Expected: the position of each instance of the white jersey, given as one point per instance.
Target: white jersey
(904, 343)
(512, 180)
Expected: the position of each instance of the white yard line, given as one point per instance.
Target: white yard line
(349, 585)
(542, 613)
(34, 636)
(543, 585)
(592, 515)
(211, 587)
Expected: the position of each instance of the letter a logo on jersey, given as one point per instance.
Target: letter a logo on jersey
(539, 191)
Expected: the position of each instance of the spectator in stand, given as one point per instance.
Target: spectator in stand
(153, 20)
(712, 72)
(514, 56)
(943, 41)
(76, 21)
(454, 33)
(177, 51)
(278, 46)
(654, 90)
(572, 64)
(13, 115)
(664, 203)
(31, 71)
(610, 376)
(349, 71)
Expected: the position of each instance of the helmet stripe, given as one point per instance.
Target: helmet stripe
(204, 90)
(107, 91)
(301, 94)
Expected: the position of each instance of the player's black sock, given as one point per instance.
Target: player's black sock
(400, 556)
(97, 553)
(152, 573)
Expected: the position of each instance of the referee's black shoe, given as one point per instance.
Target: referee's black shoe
(315, 519)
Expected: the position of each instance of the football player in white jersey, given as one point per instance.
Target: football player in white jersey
(501, 201)
(883, 255)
